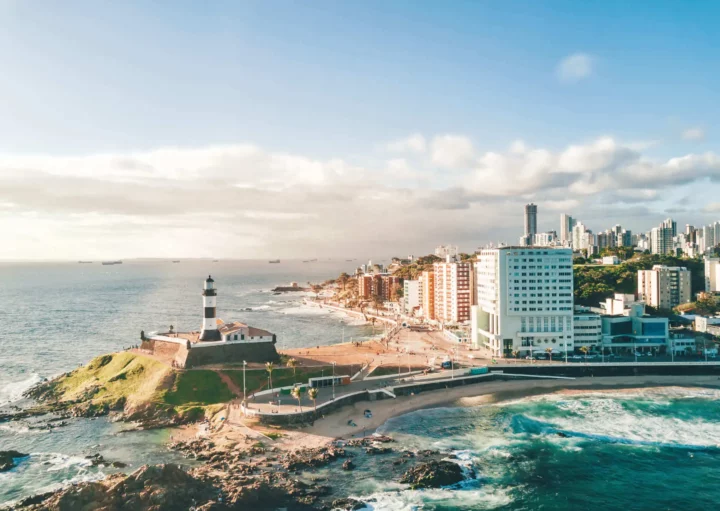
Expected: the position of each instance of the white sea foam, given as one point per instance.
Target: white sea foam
(413, 500)
(58, 461)
(12, 392)
(602, 417)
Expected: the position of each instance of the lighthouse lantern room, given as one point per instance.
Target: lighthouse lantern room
(209, 330)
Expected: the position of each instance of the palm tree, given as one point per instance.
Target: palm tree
(585, 350)
(292, 363)
(372, 321)
(515, 354)
(270, 367)
(313, 394)
(297, 395)
(549, 352)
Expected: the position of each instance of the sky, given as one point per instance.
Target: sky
(326, 129)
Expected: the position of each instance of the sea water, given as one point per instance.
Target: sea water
(652, 449)
(55, 317)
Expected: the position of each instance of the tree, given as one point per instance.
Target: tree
(549, 352)
(297, 395)
(313, 394)
(585, 350)
(270, 367)
(343, 279)
(293, 363)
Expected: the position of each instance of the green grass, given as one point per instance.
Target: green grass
(198, 387)
(257, 379)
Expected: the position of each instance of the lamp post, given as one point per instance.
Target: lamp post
(333, 380)
(399, 362)
(672, 350)
(244, 388)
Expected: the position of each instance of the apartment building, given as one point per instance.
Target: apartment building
(664, 287)
(453, 291)
(428, 294)
(524, 300)
(412, 296)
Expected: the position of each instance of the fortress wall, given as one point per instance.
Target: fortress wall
(231, 353)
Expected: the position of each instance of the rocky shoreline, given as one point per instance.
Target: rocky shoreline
(257, 477)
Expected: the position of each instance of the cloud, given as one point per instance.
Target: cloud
(575, 67)
(693, 134)
(712, 207)
(452, 151)
(411, 144)
(241, 200)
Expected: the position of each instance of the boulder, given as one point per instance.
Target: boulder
(7, 459)
(433, 474)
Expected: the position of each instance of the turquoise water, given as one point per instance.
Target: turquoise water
(657, 449)
(54, 317)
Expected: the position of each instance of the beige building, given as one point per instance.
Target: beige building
(428, 294)
(664, 287)
(453, 291)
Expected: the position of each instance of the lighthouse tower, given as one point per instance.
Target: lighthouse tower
(209, 329)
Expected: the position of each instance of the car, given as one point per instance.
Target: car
(576, 357)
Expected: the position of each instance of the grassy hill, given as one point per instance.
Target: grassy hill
(137, 386)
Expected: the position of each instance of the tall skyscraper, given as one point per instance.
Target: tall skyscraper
(530, 222)
(566, 228)
(524, 300)
(671, 224)
(661, 240)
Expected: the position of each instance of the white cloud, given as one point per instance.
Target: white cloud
(693, 134)
(411, 144)
(575, 67)
(452, 151)
(713, 207)
(241, 200)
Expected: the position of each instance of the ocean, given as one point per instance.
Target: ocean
(55, 317)
(640, 449)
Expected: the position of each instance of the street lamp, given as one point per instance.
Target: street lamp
(399, 361)
(244, 388)
(333, 380)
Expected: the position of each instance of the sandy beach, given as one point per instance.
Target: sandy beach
(336, 425)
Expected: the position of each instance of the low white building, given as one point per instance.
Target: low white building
(587, 330)
(635, 332)
(237, 331)
(611, 260)
(619, 305)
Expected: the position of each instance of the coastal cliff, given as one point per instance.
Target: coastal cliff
(132, 387)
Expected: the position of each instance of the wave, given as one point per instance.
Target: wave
(13, 391)
(679, 423)
(487, 497)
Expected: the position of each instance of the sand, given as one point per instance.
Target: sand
(335, 425)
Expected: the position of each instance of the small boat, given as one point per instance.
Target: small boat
(176, 261)
(84, 262)
(215, 260)
(107, 263)
(274, 261)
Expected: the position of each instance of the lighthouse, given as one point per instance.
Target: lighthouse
(209, 330)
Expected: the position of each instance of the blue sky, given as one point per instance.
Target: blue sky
(340, 80)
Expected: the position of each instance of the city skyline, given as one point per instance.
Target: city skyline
(247, 131)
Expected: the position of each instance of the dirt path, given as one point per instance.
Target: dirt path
(230, 383)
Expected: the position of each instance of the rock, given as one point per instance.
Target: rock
(377, 450)
(7, 459)
(348, 465)
(433, 474)
(118, 464)
(347, 504)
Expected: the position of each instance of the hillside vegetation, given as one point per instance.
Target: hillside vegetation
(595, 283)
(136, 387)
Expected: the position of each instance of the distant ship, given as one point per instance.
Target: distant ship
(176, 261)
(274, 261)
(215, 260)
(310, 261)
(107, 263)
(84, 262)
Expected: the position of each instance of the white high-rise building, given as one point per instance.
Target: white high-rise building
(664, 287)
(582, 238)
(566, 229)
(412, 296)
(661, 240)
(524, 300)
(712, 275)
